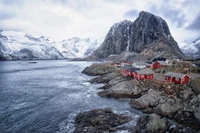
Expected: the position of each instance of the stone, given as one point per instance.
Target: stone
(99, 121)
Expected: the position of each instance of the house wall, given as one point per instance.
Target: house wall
(178, 80)
(155, 65)
(185, 79)
(149, 76)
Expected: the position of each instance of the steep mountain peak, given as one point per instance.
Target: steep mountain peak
(138, 36)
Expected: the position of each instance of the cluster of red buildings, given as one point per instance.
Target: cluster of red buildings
(141, 73)
(177, 78)
(137, 73)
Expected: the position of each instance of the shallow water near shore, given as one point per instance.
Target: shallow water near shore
(45, 96)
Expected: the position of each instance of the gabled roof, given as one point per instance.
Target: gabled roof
(162, 62)
(130, 68)
(145, 71)
(176, 75)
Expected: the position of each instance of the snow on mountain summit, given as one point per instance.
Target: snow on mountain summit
(191, 48)
(77, 47)
(17, 45)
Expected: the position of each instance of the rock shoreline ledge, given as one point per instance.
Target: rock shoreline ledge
(163, 102)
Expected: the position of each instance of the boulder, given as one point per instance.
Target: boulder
(99, 121)
(152, 123)
(124, 89)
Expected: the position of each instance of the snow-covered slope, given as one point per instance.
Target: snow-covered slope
(77, 47)
(191, 48)
(17, 45)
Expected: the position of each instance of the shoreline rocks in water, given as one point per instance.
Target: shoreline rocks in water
(176, 102)
(99, 121)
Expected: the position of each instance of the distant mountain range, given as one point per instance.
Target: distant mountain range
(191, 49)
(20, 46)
(148, 37)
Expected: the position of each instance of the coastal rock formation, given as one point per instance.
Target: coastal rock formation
(173, 101)
(98, 69)
(99, 121)
(148, 35)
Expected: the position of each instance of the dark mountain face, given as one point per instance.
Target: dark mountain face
(148, 33)
(116, 40)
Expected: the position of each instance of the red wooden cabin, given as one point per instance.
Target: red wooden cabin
(159, 64)
(144, 74)
(177, 78)
(128, 71)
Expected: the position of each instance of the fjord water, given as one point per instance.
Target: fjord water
(45, 96)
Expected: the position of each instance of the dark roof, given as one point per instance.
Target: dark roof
(148, 62)
(162, 62)
(145, 71)
(176, 75)
(159, 59)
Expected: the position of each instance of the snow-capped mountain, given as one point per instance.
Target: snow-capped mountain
(191, 49)
(77, 47)
(17, 45)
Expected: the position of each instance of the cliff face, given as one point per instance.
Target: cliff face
(147, 35)
(116, 40)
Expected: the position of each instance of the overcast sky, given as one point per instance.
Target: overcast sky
(61, 19)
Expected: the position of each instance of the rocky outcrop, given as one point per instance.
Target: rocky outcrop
(154, 123)
(120, 87)
(105, 78)
(99, 121)
(151, 124)
(148, 35)
(98, 69)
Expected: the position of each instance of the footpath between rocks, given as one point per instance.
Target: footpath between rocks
(167, 107)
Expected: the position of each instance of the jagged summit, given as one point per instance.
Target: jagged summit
(149, 33)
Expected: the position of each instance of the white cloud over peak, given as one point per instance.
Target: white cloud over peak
(62, 19)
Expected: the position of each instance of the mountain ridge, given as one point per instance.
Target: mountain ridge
(19, 46)
(191, 49)
(143, 36)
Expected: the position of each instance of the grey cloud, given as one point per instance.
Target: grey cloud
(174, 15)
(12, 2)
(6, 15)
(195, 25)
(131, 13)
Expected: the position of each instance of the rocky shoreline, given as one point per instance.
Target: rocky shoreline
(169, 107)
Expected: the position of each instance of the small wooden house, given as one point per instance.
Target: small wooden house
(178, 78)
(144, 74)
(128, 71)
(159, 64)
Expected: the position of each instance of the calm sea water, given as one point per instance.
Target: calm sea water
(44, 97)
